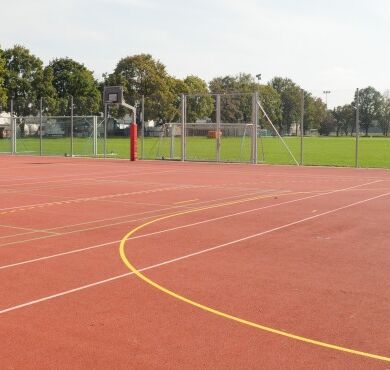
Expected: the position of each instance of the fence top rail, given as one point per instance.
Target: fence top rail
(44, 116)
(221, 94)
(221, 123)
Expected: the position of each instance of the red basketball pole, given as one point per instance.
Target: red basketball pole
(133, 141)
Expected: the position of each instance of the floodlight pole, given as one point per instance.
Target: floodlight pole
(326, 92)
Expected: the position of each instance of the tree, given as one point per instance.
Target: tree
(71, 78)
(327, 125)
(348, 118)
(25, 80)
(345, 119)
(199, 105)
(169, 103)
(271, 102)
(370, 103)
(290, 101)
(384, 119)
(234, 107)
(3, 90)
(338, 119)
(141, 75)
(315, 112)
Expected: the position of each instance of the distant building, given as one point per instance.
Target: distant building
(5, 125)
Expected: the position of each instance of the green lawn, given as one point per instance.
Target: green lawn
(373, 152)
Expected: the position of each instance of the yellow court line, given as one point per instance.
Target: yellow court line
(187, 201)
(133, 269)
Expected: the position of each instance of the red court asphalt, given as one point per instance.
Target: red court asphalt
(300, 252)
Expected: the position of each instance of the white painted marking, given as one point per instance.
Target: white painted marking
(83, 287)
(165, 230)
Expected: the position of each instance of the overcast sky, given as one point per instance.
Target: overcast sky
(328, 45)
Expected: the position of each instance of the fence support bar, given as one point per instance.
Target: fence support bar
(277, 133)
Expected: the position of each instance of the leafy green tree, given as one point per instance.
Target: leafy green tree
(26, 80)
(199, 106)
(309, 118)
(347, 117)
(3, 90)
(370, 105)
(327, 125)
(384, 119)
(170, 101)
(338, 119)
(271, 102)
(315, 112)
(290, 101)
(71, 78)
(234, 108)
(141, 75)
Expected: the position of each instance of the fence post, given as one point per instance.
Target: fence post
(183, 128)
(143, 127)
(95, 136)
(357, 128)
(255, 120)
(302, 123)
(105, 131)
(13, 128)
(218, 124)
(172, 148)
(40, 127)
(71, 126)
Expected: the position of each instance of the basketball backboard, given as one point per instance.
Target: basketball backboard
(113, 95)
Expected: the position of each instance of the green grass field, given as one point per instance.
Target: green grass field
(340, 151)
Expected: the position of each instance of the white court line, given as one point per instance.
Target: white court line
(168, 230)
(57, 178)
(26, 229)
(83, 175)
(154, 210)
(126, 221)
(100, 282)
(97, 197)
(152, 214)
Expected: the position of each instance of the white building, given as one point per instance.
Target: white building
(5, 125)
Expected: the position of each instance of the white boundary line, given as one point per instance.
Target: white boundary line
(151, 215)
(100, 282)
(168, 230)
(30, 231)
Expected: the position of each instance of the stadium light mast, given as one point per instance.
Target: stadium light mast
(326, 92)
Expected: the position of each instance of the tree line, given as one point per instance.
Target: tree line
(25, 79)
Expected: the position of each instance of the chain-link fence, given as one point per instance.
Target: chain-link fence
(218, 127)
(43, 134)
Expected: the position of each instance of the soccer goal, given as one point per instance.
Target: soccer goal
(232, 127)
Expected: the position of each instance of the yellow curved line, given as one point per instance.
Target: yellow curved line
(133, 269)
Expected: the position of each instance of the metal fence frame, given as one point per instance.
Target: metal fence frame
(257, 109)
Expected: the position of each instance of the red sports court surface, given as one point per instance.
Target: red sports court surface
(225, 266)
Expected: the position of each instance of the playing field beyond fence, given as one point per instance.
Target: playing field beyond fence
(327, 151)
